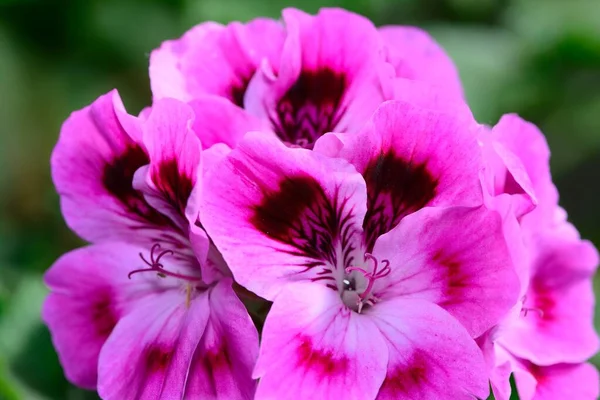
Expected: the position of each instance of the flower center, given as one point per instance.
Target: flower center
(357, 285)
(156, 266)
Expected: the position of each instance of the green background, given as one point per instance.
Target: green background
(540, 59)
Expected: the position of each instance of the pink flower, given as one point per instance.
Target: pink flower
(550, 332)
(382, 263)
(301, 78)
(134, 314)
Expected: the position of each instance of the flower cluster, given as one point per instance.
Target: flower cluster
(308, 210)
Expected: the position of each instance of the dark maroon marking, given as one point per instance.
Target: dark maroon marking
(104, 315)
(301, 215)
(175, 185)
(395, 188)
(405, 378)
(238, 91)
(118, 178)
(157, 359)
(311, 107)
(324, 363)
(455, 279)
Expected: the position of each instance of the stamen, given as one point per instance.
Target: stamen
(527, 310)
(157, 267)
(366, 297)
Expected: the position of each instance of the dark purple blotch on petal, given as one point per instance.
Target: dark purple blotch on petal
(311, 107)
(395, 188)
(238, 91)
(174, 184)
(118, 181)
(300, 214)
(324, 363)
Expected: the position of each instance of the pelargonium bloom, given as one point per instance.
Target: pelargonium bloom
(381, 262)
(133, 314)
(301, 78)
(550, 333)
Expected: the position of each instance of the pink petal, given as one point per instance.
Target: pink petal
(90, 292)
(415, 55)
(431, 355)
(332, 76)
(279, 214)
(149, 354)
(456, 258)
(527, 142)
(218, 121)
(556, 323)
(313, 347)
(430, 95)
(174, 152)
(557, 382)
(214, 59)
(93, 165)
(500, 373)
(223, 363)
(505, 175)
(413, 157)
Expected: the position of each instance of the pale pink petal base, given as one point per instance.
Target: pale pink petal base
(314, 348)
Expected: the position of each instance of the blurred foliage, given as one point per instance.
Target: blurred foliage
(540, 59)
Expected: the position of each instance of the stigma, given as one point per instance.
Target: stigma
(154, 265)
(357, 284)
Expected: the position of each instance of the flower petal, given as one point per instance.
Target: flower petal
(223, 362)
(332, 76)
(313, 347)
(218, 121)
(431, 354)
(174, 152)
(556, 322)
(557, 382)
(455, 257)
(413, 157)
(416, 55)
(279, 214)
(150, 351)
(90, 292)
(93, 165)
(214, 59)
(525, 140)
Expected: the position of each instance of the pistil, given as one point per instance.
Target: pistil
(366, 296)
